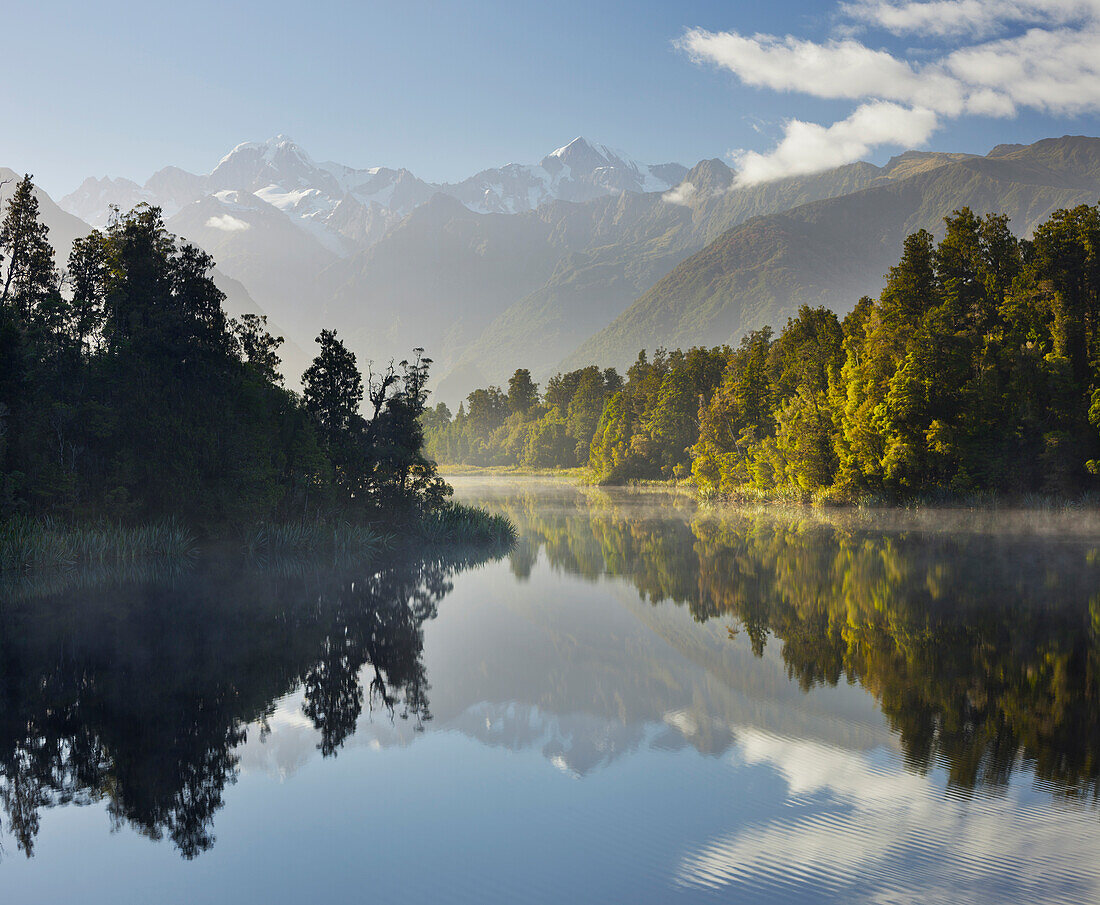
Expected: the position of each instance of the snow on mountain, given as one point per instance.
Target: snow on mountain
(579, 171)
(345, 208)
(321, 199)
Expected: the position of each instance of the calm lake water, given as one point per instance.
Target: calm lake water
(646, 701)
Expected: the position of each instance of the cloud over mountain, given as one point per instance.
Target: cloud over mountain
(991, 67)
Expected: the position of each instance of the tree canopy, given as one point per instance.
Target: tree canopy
(127, 393)
(976, 370)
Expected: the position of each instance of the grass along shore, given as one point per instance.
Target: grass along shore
(37, 544)
(464, 471)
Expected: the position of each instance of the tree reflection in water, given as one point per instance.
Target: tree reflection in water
(981, 642)
(139, 694)
(982, 647)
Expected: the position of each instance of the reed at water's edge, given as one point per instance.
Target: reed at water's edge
(36, 544)
(43, 543)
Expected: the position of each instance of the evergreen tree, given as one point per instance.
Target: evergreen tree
(30, 277)
(332, 391)
(523, 393)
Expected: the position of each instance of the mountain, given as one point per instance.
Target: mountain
(617, 248)
(436, 280)
(315, 197)
(344, 207)
(830, 252)
(580, 171)
(390, 260)
(256, 243)
(585, 256)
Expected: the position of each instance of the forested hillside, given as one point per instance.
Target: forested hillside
(976, 369)
(833, 251)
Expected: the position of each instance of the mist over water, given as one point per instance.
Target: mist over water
(646, 700)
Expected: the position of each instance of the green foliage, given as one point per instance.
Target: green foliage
(29, 544)
(458, 524)
(332, 391)
(974, 371)
(523, 393)
(977, 370)
(492, 428)
(127, 394)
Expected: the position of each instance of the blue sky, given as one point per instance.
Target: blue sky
(447, 88)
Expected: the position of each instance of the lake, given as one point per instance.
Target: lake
(647, 700)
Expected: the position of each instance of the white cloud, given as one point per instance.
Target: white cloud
(977, 17)
(1055, 71)
(811, 148)
(1053, 67)
(228, 223)
(836, 69)
(681, 194)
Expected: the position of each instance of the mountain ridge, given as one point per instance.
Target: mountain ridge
(832, 251)
(281, 169)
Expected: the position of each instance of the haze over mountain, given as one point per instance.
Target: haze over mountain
(302, 235)
(584, 257)
(833, 251)
(343, 206)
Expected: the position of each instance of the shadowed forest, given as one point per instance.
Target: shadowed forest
(127, 394)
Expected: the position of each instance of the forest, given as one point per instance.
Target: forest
(128, 395)
(977, 370)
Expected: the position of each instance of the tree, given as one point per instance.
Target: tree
(31, 276)
(523, 392)
(332, 391)
(89, 275)
(486, 410)
(584, 409)
(256, 347)
(673, 424)
(548, 444)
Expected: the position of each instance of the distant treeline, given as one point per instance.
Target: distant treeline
(977, 369)
(126, 393)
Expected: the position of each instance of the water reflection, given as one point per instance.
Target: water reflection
(979, 635)
(805, 706)
(139, 692)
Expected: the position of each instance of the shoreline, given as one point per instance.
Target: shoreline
(34, 544)
(1086, 503)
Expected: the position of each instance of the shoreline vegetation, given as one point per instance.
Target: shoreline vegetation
(40, 558)
(139, 422)
(39, 544)
(974, 378)
(748, 497)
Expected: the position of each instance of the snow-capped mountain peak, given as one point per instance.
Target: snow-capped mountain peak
(582, 155)
(268, 150)
(278, 161)
(579, 171)
(348, 207)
